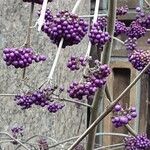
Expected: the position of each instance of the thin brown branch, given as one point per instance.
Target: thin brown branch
(72, 101)
(147, 3)
(5, 133)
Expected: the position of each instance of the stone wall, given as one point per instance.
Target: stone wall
(69, 122)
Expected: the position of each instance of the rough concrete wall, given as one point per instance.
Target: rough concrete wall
(14, 16)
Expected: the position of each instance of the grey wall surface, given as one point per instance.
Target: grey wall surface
(69, 122)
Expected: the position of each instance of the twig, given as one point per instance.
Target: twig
(5, 133)
(50, 76)
(90, 16)
(8, 94)
(112, 134)
(97, 134)
(148, 4)
(65, 141)
(76, 6)
(109, 109)
(40, 21)
(40, 136)
(128, 127)
(118, 40)
(110, 146)
(6, 141)
(72, 101)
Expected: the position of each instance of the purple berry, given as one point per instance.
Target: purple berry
(117, 108)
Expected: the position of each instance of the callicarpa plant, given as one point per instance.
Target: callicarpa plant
(66, 29)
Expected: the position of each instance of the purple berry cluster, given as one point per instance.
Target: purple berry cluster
(144, 21)
(101, 22)
(122, 10)
(42, 97)
(122, 117)
(139, 142)
(16, 132)
(54, 107)
(96, 78)
(48, 19)
(120, 28)
(79, 90)
(21, 57)
(42, 144)
(79, 147)
(142, 18)
(67, 26)
(131, 44)
(97, 36)
(74, 63)
(135, 30)
(139, 59)
(36, 1)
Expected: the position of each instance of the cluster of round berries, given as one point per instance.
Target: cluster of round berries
(144, 21)
(139, 59)
(120, 28)
(130, 44)
(120, 11)
(79, 90)
(42, 144)
(79, 147)
(135, 30)
(75, 62)
(139, 142)
(36, 1)
(101, 22)
(95, 78)
(122, 117)
(142, 18)
(97, 36)
(41, 98)
(16, 132)
(21, 57)
(48, 20)
(48, 17)
(67, 26)
(97, 75)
